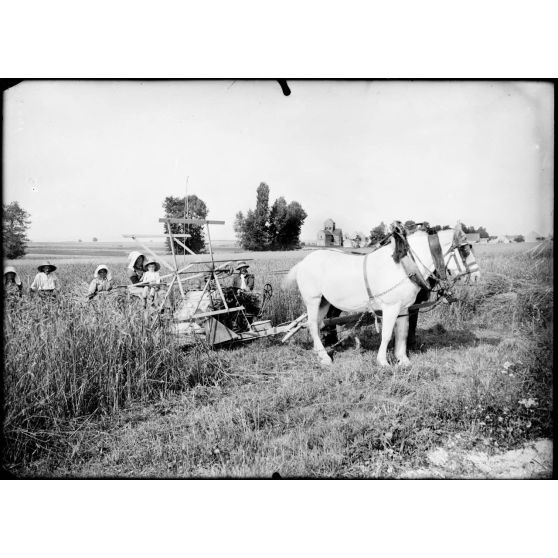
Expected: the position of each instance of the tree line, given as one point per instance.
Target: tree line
(15, 223)
(263, 228)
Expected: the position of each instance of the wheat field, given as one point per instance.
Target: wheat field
(89, 391)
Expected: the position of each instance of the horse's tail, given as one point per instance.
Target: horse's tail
(290, 278)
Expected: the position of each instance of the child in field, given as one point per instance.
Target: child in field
(45, 282)
(151, 276)
(102, 282)
(13, 287)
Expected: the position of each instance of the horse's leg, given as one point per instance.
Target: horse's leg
(401, 331)
(315, 316)
(330, 332)
(422, 296)
(389, 316)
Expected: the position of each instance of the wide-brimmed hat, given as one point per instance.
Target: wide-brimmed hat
(11, 269)
(149, 262)
(99, 267)
(46, 264)
(240, 265)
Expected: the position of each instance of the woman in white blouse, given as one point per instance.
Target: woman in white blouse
(45, 281)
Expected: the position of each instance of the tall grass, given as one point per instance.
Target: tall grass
(67, 359)
(70, 363)
(514, 289)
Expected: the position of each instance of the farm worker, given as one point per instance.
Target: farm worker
(46, 282)
(243, 284)
(152, 277)
(12, 283)
(243, 281)
(135, 266)
(102, 282)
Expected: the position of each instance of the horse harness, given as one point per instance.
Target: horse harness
(403, 254)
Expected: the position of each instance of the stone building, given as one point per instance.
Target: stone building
(329, 235)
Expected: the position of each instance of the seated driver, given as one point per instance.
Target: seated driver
(243, 285)
(243, 281)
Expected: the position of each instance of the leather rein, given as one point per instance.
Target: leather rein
(442, 283)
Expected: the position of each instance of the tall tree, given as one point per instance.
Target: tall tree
(15, 223)
(265, 229)
(466, 229)
(483, 232)
(378, 233)
(197, 209)
(290, 234)
(238, 227)
(277, 220)
(251, 236)
(252, 230)
(261, 217)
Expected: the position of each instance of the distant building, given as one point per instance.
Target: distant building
(501, 239)
(329, 235)
(534, 236)
(473, 238)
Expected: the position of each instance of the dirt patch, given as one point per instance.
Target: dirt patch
(532, 460)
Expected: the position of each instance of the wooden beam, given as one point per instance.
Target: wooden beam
(190, 221)
(213, 313)
(156, 257)
(367, 319)
(182, 293)
(199, 262)
(155, 235)
(184, 245)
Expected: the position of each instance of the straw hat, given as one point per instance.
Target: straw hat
(46, 264)
(149, 262)
(240, 265)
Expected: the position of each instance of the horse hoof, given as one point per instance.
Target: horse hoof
(325, 360)
(405, 362)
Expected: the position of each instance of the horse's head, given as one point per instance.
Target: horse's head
(459, 257)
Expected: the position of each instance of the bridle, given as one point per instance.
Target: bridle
(464, 249)
(443, 284)
(443, 277)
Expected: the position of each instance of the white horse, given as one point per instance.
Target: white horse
(353, 283)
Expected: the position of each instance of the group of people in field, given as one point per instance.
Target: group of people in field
(45, 282)
(141, 270)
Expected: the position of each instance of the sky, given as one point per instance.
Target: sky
(97, 158)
